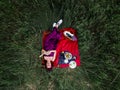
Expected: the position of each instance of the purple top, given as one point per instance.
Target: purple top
(51, 54)
(52, 39)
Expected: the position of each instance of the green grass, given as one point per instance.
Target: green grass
(98, 28)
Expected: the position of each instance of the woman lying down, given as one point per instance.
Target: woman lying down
(49, 46)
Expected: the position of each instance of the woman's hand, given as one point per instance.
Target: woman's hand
(45, 52)
(42, 52)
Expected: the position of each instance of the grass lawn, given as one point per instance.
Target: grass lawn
(97, 23)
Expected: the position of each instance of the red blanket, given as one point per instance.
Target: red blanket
(69, 48)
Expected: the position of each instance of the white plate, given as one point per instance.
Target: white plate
(72, 64)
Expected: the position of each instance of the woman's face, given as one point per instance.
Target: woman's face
(48, 64)
(48, 59)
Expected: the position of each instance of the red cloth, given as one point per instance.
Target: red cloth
(66, 44)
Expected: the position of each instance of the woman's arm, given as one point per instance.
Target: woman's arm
(54, 56)
(48, 53)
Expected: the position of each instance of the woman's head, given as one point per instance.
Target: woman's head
(48, 65)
